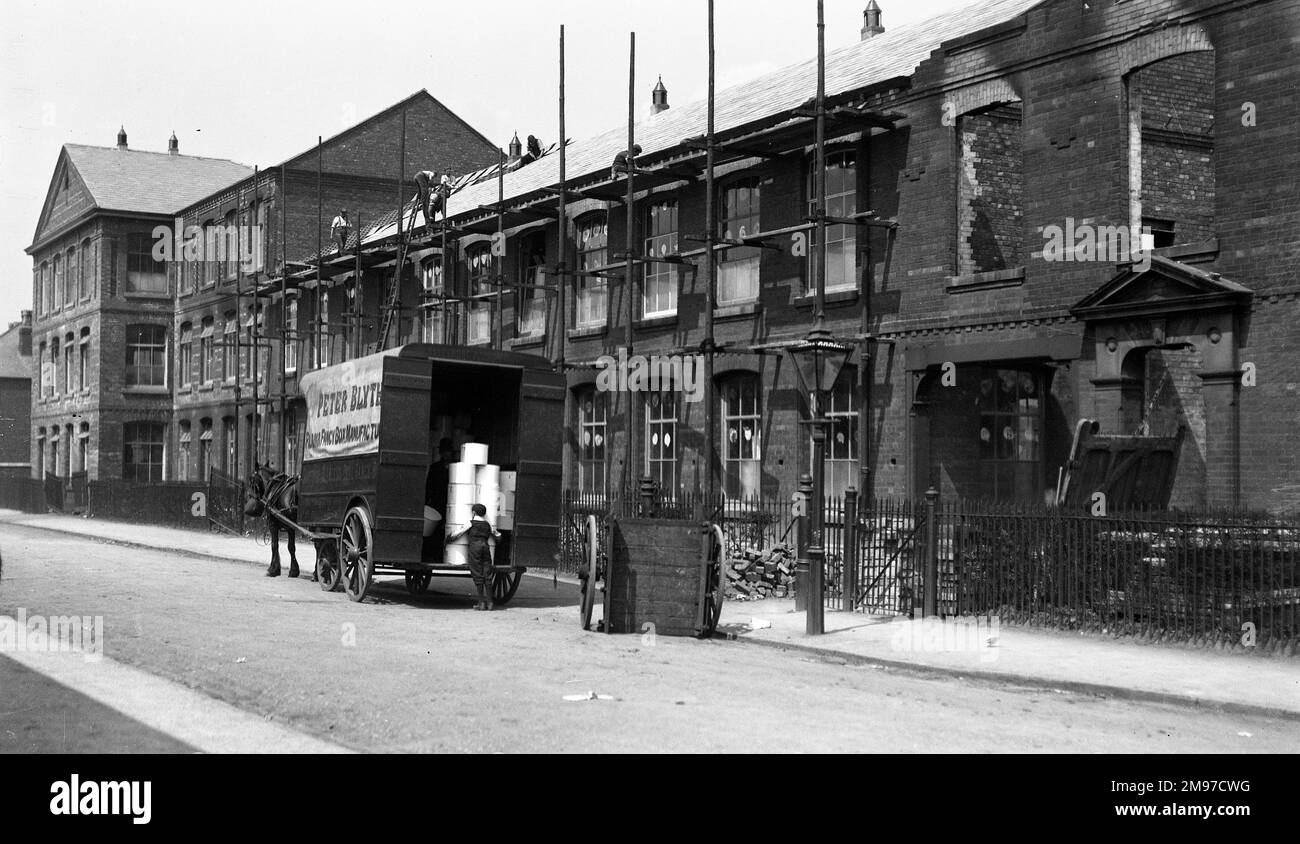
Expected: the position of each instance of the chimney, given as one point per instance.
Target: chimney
(871, 27)
(173, 145)
(659, 97)
(121, 138)
(25, 335)
(516, 149)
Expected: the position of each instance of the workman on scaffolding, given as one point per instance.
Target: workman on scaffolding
(433, 192)
(620, 167)
(339, 229)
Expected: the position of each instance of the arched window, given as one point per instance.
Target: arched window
(742, 433)
(205, 449)
(83, 353)
(478, 260)
(229, 347)
(186, 362)
(593, 436)
(71, 281)
(69, 369)
(323, 329)
(661, 438)
(183, 450)
(532, 300)
(57, 286)
(659, 291)
(591, 303)
(85, 273)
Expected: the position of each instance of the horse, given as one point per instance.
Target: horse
(275, 494)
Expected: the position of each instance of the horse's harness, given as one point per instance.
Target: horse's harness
(275, 487)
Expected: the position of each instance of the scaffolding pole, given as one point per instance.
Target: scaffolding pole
(284, 299)
(561, 231)
(710, 262)
(498, 316)
(629, 284)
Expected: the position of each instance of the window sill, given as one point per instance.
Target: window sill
(657, 321)
(747, 309)
(487, 341)
(205, 387)
(588, 331)
(833, 297)
(528, 340)
(146, 391)
(132, 294)
(993, 280)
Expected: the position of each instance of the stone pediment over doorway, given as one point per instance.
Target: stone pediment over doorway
(1160, 288)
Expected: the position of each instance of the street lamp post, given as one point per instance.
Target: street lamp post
(818, 360)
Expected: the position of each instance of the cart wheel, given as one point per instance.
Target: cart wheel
(589, 583)
(327, 565)
(715, 587)
(504, 584)
(357, 564)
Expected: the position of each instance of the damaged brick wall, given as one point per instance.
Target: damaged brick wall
(990, 191)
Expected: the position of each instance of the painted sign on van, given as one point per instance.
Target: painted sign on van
(343, 408)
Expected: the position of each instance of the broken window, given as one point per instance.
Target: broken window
(990, 190)
(1171, 149)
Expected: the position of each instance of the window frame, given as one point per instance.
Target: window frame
(131, 443)
(661, 459)
(733, 261)
(142, 256)
(661, 240)
(836, 233)
(591, 293)
(136, 341)
(734, 418)
(592, 407)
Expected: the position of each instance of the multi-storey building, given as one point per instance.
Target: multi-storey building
(101, 399)
(15, 409)
(1006, 154)
(142, 347)
(229, 398)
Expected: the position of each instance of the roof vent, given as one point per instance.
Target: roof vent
(659, 97)
(871, 27)
(121, 138)
(516, 149)
(173, 145)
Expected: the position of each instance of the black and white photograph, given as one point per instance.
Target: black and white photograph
(699, 377)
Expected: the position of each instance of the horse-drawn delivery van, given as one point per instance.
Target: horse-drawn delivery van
(373, 428)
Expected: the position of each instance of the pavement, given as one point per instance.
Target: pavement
(1240, 681)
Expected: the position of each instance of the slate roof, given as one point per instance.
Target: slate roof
(150, 182)
(894, 53)
(12, 364)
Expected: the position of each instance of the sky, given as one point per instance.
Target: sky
(257, 81)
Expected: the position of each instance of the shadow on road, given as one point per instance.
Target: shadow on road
(457, 593)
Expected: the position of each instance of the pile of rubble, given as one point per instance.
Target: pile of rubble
(754, 574)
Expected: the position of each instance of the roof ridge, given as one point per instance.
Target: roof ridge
(159, 153)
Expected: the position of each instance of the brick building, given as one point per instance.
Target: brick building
(100, 398)
(144, 365)
(289, 208)
(15, 408)
(1017, 145)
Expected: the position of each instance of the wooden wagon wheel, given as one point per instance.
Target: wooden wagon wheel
(716, 585)
(356, 553)
(327, 565)
(504, 584)
(589, 541)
